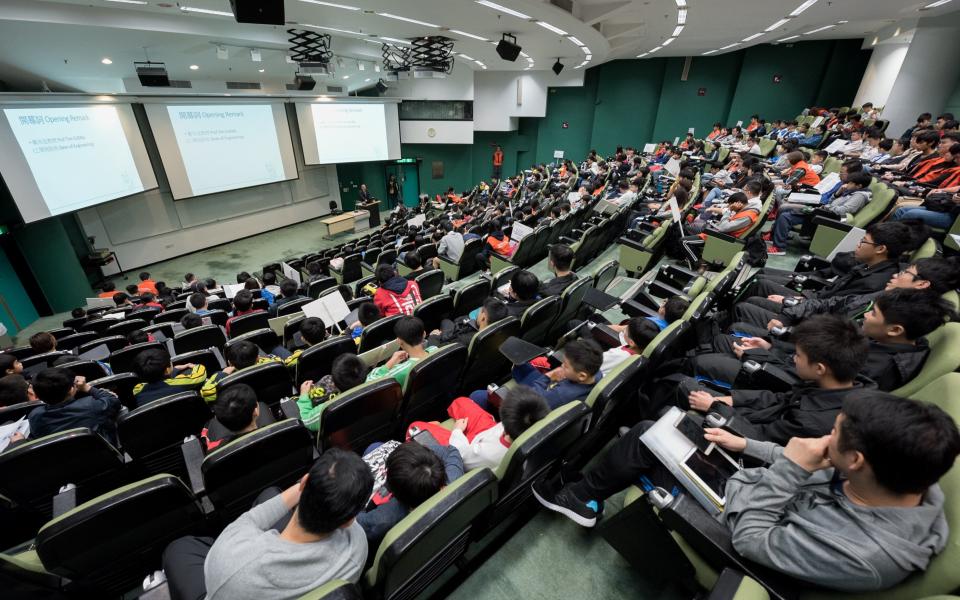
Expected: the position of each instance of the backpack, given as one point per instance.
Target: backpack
(756, 251)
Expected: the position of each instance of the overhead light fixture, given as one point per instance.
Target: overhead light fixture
(803, 7)
(255, 55)
(581, 65)
(481, 65)
(642, 55)
(552, 28)
(777, 25)
(896, 33)
(194, 67)
(334, 5)
(585, 49)
(575, 40)
(678, 30)
(223, 53)
(394, 40)
(787, 39)
(875, 41)
(557, 67)
(842, 22)
(657, 49)
(346, 77)
(140, 2)
(728, 46)
(588, 58)
(681, 3)
(508, 49)
(376, 68)
(260, 70)
(503, 9)
(361, 66)
(406, 19)
(465, 57)
(205, 11)
(367, 80)
(819, 29)
(682, 16)
(935, 4)
(334, 29)
(668, 41)
(751, 37)
(469, 35)
(106, 61)
(708, 52)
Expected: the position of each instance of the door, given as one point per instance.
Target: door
(410, 183)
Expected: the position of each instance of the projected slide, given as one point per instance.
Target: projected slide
(77, 157)
(336, 132)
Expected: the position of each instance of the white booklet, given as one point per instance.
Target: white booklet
(290, 273)
(520, 231)
(849, 242)
(331, 308)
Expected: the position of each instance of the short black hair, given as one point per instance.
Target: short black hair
(120, 297)
(52, 385)
(243, 300)
(384, 273)
(7, 361)
(895, 236)
(147, 297)
(495, 309)
(642, 331)
(235, 405)
(852, 165)
(522, 408)
(197, 300)
(108, 286)
(242, 277)
(269, 278)
(524, 284)
(13, 390)
(754, 187)
(189, 277)
(313, 330)
(861, 179)
(191, 320)
(942, 273)
(251, 284)
(414, 474)
(834, 342)
(931, 138)
(584, 355)
(412, 260)
(138, 336)
(367, 313)
(43, 341)
(348, 371)
(674, 308)
(410, 330)
(144, 276)
(288, 288)
(78, 313)
(562, 256)
(133, 290)
(346, 291)
(151, 365)
(337, 488)
(242, 354)
(918, 311)
(909, 445)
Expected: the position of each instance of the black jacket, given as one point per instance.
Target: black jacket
(851, 306)
(555, 286)
(97, 412)
(861, 279)
(461, 331)
(893, 365)
(516, 308)
(280, 302)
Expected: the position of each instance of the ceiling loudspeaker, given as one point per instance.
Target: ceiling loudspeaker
(264, 12)
(508, 48)
(382, 87)
(152, 74)
(304, 82)
(557, 67)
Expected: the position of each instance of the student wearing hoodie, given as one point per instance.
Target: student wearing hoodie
(395, 294)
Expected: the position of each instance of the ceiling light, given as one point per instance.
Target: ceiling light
(681, 3)
(367, 80)
(376, 68)
(206, 11)
(668, 41)
(527, 68)
(255, 55)
(346, 77)
(480, 64)
(556, 30)
(334, 29)
(787, 39)
(642, 55)
(677, 31)
(194, 67)
(875, 41)
(361, 66)
(819, 29)
(343, 6)
(575, 40)
(708, 52)
(260, 70)
(395, 41)
(222, 53)
(842, 22)
(524, 54)
(803, 7)
(464, 56)
(728, 46)
(503, 9)
(106, 61)
(936, 4)
(751, 37)
(588, 58)
(777, 25)
(896, 33)
(469, 35)
(655, 49)
(682, 16)
(407, 19)
(585, 49)
(141, 2)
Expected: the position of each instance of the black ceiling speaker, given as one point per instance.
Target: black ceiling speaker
(265, 12)
(508, 48)
(557, 67)
(382, 87)
(152, 74)
(304, 82)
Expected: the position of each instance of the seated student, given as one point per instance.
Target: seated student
(236, 412)
(412, 261)
(122, 299)
(71, 403)
(146, 284)
(43, 342)
(269, 553)
(109, 289)
(159, 378)
(347, 372)
(139, 336)
(481, 441)
(14, 389)
(242, 305)
(736, 219)
(10, 364)
(270, 290)
(415, 472)
(165, 295)
(191, 320)
(149, 299)
(211, 284)
(411, 338)
(559, 261)
(188, 280)
(572, 380)
(312, 332)
(395, 295)
(670, 310)
(289, 291)
(451, 244)
(367, 313)
(463, 330)
(521, 293)
(872, 487)
(239, 356)
(197, 304)
(133, 291)
(635, 335)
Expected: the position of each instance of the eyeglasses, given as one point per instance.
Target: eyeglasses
(906, 272)
(871, 243)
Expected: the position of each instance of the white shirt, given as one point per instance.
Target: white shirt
(484, 451)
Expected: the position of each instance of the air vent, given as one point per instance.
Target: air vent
(243, 85)
(335, 89)
(179, 83)
(566, 5)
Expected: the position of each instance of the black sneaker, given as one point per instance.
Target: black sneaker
(564, 502)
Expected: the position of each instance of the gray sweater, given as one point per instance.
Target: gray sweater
(849, 204)
(802, 524)
(249, 560)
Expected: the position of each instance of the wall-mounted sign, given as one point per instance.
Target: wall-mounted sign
(565, 125)
(777, 78)
(701, 91)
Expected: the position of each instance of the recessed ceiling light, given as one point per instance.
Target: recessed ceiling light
(585, 49)
(787, 39)
(655, 49)
(708, 52)
(728, 46)
(575, 40)
(343, 6)
(819, 29)
(677, 31)
(842, 22)
(394, 40)
(407, 19)
(552, 28)
(469, 35)
(367, 80)
(261, 70)
(588, 57)
(334, 29)
(936, 4)
(642, 55)
(346, 77)
(668, 41)
(777, 25)
(751, 37)
(106, 61)
(140, 2)
(682, 16)
(206, 11)
(503, 9)
(194, 67)
(681, 3)
(803, 7)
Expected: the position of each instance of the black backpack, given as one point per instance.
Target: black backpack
(756, 251)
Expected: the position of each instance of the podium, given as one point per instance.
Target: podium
(373, 207)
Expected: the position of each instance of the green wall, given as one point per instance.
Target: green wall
(680, 106)
(628, 92)
(16, 309)
(49, 251)
(953, 104)
(575, 106)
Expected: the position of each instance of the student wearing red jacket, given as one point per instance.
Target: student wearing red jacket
(395, 295)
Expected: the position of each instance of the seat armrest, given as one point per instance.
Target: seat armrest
(679, 273)
(289, 408)
(445, 259)
(568, 240)
(809, 262)
(832, 221)
(722, 236)
(726, 587)
(65, 501)
(192, 451)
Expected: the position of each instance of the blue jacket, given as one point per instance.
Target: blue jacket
(97, 412)
(556, 393)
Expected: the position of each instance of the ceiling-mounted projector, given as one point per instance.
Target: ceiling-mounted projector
(314, 68)
(152, 74)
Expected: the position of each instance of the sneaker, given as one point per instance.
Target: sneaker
(774, 251)
(564, 502)
(768, 236)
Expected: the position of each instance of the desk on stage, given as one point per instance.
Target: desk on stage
(357, 220)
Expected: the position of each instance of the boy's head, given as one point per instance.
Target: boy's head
(937, 274)
(152, 365)
(236, 408)
(412, 260)
(54, 385)
(269, 278)
(492, 311)
(829, 346)
(901, 445)
(43, 342)
(312, 330)
(243, 301)
(148, 297)
(581, 360)
(385, 273)
(242, 354)
(132, 290)
(78, 313)
(905, 315)
(14, 389)
(109, 286)
(198, 301)
(883, 241)
(818, 157)
(561, 258)
(288, 288)
(348, 371)
(367, 313)
(10, 365)
(737, 201)
(191, 320)
(673, 308)
(138, 336)
(121, 298)
(409, 332)
(859, 180)
(640, 332)
(189, 278)
(337, 487)
(520, 409)
(524, 285)
(414, 474)
(144, 276)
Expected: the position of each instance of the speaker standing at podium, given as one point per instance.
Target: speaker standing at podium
(365, 197)
(368, 203)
